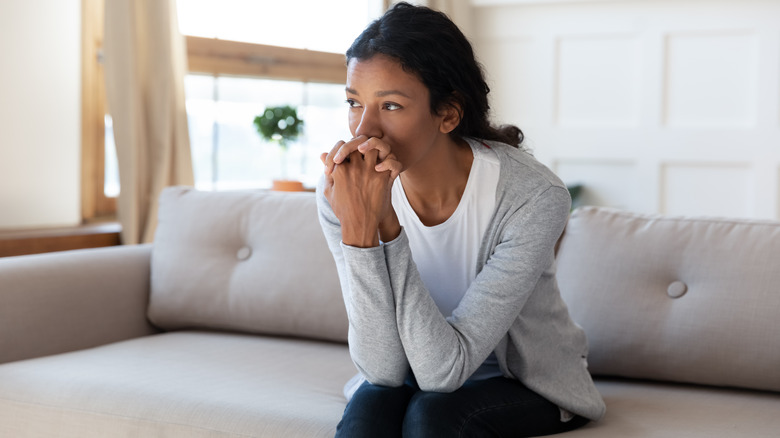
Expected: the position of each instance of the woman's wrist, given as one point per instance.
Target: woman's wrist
(389, 228)
(360, 237)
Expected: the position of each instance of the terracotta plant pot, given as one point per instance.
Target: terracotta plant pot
(286, 185)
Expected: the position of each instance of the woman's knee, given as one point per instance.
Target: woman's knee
(375, 411)
(430, 414)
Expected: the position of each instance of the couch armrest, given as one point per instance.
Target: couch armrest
(64, 301)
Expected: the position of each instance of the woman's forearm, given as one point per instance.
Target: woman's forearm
(443, 353)
(374, 343)
(373, 336)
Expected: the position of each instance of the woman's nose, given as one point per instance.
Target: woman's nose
(369, 124)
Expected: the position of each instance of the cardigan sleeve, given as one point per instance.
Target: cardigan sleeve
(374, 344)
(444, 352)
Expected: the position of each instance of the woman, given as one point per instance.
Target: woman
(443, 230)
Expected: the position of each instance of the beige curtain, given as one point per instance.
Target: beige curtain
(145, 65)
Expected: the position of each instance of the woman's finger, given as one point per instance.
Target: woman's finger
(327, 158)
(390, 164)
(345, 149)
(371, 157)
(375, 143)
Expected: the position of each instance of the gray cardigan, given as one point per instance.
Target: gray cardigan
(513, 306)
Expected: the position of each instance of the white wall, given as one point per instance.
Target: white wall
(40, 113)
(667, 106)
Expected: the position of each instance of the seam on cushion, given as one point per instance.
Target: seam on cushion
(126, 417)
(583, 211)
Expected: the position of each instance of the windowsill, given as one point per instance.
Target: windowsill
(35, 241)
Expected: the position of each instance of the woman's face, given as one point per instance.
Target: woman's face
(393, 105)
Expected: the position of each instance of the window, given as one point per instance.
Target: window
(287, 58)
(226, 149)
(324, 26)
(243, 55)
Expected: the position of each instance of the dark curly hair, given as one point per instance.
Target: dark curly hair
(428, 44)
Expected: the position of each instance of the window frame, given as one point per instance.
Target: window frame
(94, 203)
(212, 56)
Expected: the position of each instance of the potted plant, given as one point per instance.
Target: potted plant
(282, 126)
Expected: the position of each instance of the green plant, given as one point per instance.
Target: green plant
(575, 191)
(279, 124)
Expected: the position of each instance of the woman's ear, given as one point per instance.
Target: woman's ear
(452, 114)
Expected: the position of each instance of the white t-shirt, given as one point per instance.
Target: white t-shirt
(446, 254)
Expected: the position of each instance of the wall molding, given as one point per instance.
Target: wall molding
(486, 3)
(686, 90)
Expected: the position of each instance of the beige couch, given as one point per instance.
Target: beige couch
(232, 325)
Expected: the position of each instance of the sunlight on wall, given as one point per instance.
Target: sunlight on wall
(40, 115)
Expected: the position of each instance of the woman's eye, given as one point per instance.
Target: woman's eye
(352, 103)
(392, 106)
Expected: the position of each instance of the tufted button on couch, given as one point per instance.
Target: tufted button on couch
(232, 325)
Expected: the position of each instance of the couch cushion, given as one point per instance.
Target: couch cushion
(682, 299)
(662, 410)
(249, 261)
(179, 384)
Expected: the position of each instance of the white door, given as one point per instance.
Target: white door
(653, 106)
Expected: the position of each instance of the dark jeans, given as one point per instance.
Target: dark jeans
(496, 407)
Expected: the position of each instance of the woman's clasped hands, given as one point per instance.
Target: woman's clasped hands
(359, 175)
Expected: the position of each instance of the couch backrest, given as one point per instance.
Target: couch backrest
(680, 299)
(251, 261)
